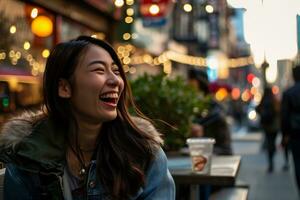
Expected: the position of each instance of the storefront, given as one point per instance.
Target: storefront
(30, 28)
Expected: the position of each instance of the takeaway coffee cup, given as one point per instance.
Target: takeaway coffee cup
(201, 151)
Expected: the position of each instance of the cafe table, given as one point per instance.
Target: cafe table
(223, 172)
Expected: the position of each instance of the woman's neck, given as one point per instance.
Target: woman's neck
(87, 136)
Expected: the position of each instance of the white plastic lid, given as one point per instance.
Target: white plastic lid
(201, 140)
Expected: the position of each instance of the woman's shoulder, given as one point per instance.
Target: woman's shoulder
(148, 128)
(18, 127)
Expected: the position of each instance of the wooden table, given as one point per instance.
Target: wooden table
(224, 170)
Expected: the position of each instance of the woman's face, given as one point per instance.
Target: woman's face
(97, 86)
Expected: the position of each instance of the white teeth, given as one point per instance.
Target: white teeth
(109, 95)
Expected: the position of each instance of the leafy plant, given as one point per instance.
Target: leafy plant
(171, 100)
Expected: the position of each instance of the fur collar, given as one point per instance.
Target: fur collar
(30, 141)
(18, 127)
(21, 126)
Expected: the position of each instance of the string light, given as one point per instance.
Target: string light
(34, 13)
(13, 29)
(209, 8)
(124, 51)
(187, 7)
(26, 45)
(45, 53)
(119, 3)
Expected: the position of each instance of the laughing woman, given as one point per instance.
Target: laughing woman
(84, 144)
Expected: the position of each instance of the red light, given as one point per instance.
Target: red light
(250, 77)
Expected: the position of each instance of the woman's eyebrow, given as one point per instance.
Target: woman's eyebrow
(97, 62)
(100, 62)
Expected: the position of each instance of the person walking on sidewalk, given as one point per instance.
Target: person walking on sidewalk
(84, 144)
(269, 110)
(290, 121)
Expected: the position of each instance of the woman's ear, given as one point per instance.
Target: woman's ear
(64, 88)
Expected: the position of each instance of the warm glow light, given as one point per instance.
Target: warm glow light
(245, 95)
(257, 98)
(126, 60)
(18, 55)
(129, 11)
(119, 3)
(154, 9)
(129, 2)
(147, 58)
(98, 35)
(132, 70)
(235, 93)
(29, 57)
(221, 94)
(128, 20)
(12, 29)
(126, 36)
(252, 115)
(256, 82)
(253, 90)
(45, 53)
(167, 67)
(2, 56)
(209, 8)
(34, 13)
(126, 68)
(26, 45)
(42, 26)
(11, 53)
(187, 7)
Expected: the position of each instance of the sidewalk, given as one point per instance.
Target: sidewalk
(279, 185)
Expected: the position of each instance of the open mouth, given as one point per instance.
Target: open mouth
(109, 98)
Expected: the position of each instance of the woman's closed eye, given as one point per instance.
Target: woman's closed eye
(98, 70)
(116, 70)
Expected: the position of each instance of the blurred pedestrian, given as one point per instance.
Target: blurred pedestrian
(290, 121)
(269, 110)
(212, 121)
(85, 144)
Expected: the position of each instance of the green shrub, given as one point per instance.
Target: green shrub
(169, 100)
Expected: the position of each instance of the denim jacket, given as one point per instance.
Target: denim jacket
(26, 163)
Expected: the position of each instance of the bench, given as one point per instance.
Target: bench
(231, 193)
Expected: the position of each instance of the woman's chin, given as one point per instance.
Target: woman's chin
(109, 117)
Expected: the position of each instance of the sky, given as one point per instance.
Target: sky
(270, 29)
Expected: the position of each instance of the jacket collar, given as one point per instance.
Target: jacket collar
(30, 142)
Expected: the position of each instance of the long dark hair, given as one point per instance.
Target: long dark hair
(123, 149)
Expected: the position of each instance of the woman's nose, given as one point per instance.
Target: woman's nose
(113, 80)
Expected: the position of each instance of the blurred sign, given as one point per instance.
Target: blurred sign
(154, 22)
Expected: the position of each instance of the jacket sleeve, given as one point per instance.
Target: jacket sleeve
(15, 185)
(159, 182)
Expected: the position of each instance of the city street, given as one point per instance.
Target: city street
(279, 185)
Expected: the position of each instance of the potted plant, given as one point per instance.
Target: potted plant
(171, 103)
